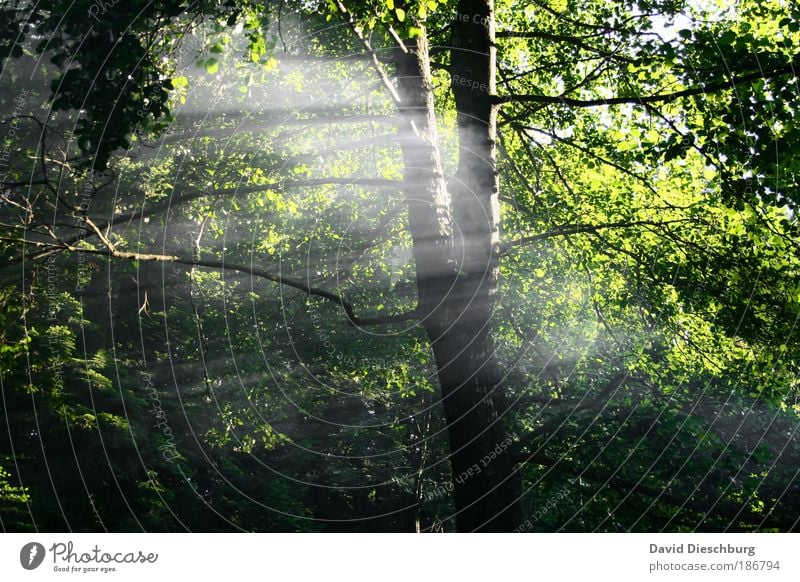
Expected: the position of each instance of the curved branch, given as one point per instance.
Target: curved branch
(112, 251)
(66, 243)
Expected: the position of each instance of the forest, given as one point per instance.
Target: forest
(399, 266)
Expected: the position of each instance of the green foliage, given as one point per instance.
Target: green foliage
(650, 280)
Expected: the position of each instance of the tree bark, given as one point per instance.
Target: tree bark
(456, 249)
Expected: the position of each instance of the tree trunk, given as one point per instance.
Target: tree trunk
(456, 253)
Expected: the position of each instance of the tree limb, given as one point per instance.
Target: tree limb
(575, 41)
(112, 251)
(649, 99)
(568, 230)
(172, 202)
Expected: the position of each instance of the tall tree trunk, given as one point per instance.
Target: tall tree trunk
(456, 253)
